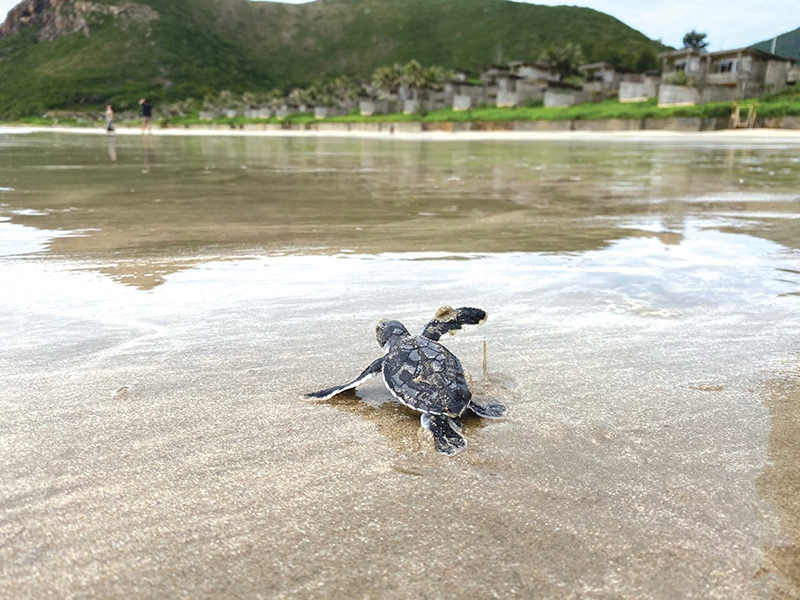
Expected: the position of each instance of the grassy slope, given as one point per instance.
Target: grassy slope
(788, 44)
(355, 36)
(209, 45)
(121, 61)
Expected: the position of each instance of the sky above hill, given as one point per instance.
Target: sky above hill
(729, 24)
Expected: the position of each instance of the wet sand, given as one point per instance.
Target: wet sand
(737, 136)
(156, 442)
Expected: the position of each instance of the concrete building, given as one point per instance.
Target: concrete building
(517, 83)
(721, 76)
(603, 80)
(600, 77)
(533, 71)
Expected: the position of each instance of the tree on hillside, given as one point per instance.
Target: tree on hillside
(646, 61)
(250, 100)
(695, 41)
(413, 75)
(436, 76)
(329, 92)
(343, 88)
(388, 78)
(300, 96)
(565, 59)
(273, 98)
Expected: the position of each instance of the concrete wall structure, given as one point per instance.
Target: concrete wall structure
(777, 74)
(367, 108)
(477, 93)
(677, 95)
(542, 125)
(410, 107)
(462, 102)
(532, 89)
(630, 91)
(562, 98)
(322, 112)
(717, 93)
(507, 99)
(686, 124)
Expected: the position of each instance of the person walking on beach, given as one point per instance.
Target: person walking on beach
(147, 116)
(109, 119)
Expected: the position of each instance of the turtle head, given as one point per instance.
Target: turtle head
(386, 330)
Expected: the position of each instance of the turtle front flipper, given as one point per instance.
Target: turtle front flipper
(446, 433)
(488, 411)
(448, 320)
(371, 371)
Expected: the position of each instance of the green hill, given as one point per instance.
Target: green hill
(116, 51)
(788, 44)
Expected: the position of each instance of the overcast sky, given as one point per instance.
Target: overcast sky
(729, 23)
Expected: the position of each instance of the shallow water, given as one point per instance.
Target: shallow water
(169, 299)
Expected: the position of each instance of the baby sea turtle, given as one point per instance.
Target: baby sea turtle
(424, 375)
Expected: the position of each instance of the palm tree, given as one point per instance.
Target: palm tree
(274, 98)
(227, 99)
(343, 89)
(564, 59)
(413, 75)
(436, 76)
(250, 100)
(299, 97)
(388, 78)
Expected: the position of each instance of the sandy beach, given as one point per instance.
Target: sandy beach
(790, 136)
(170, 299)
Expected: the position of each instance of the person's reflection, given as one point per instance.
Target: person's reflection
(149, 155)
(112, 148)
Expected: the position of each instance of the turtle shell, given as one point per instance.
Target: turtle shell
(426, 376)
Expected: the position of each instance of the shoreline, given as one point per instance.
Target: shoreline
(462, 132)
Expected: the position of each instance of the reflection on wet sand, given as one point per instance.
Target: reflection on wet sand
(112, 148)
(780, 482)
(146, 274)
(328, 195)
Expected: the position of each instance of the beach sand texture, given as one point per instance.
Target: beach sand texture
(156, 344)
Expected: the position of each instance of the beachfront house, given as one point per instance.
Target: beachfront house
(691, 76)
(600, 78)
(465, 95)
(603, 80)
(517, 83)
(534, 71)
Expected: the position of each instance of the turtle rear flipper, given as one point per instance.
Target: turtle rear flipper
(446, 434)
(488, 411)
(371, 371)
